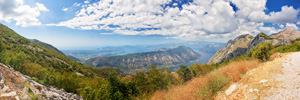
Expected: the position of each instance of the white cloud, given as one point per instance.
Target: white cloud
(291, 25)
(24, 15)
(65, 9)
(86, 1)
(298, 23)
(269, 30)
(254, 10)
(77, 4)
(281, 26)
(198, 20)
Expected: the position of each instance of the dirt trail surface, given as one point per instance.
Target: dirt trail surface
(289, 89)
(273, 80)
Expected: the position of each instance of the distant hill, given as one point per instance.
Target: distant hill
(131, 63)
(74, 58)
(47, 46)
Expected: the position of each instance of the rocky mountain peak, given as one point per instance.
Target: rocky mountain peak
(244, 43)
(287, 34)
(233, 48)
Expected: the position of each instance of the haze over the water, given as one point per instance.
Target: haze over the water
(69, 24)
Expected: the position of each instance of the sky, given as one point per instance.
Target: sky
(73, 24)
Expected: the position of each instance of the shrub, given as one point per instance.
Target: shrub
(184, 73)
(288, 48)
(213, 86)
(262, 51)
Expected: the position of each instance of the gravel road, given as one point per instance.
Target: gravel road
(290, 87)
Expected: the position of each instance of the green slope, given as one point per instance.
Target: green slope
(47, 66)
(74, 58)
(47, 46)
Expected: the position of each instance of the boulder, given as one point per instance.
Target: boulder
(231, 89)
(263, 81)
(10, 94)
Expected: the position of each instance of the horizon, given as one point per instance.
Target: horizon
(68, 24)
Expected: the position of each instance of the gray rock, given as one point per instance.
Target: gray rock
(43, 92)
(231, 89)
(10, 94)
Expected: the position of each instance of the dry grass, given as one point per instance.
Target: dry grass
(235, 69)
(196, 88)
(251, 81)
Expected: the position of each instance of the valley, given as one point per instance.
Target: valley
(149, 50)
(205, 49)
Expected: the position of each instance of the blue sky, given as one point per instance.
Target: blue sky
(70, 24)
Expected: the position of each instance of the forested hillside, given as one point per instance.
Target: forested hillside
(53, 69)
(46, 66)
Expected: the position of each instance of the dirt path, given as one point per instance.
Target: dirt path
(290, 78)
(273, 80)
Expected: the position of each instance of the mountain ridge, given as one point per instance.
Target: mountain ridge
(142, 61)
(287, 34)
(46, 45)
(237, 47)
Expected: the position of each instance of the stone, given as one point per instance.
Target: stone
(10, 94)
(231, 89)
(263, 81)
(47, 93)
(253, 90)
(17, 98)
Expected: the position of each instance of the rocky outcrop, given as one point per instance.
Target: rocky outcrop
(231, 89)
(234, 48)
(287, 34)
(14, 86)
(261, 37)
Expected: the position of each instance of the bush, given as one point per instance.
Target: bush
(184, 73)
(288, 48)
(262, 51)
(213, 86)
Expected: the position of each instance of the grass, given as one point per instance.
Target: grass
(212, 86)
(205, 87)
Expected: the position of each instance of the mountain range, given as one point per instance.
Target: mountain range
(201, 47)
(131, 63)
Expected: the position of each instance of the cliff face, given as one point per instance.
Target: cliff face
(141, 61)
(234, 48)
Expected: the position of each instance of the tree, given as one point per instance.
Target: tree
(262, 51)
(184, 73)
(2, 45)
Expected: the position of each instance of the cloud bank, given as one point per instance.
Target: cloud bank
(24, 15)
(207, 20)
